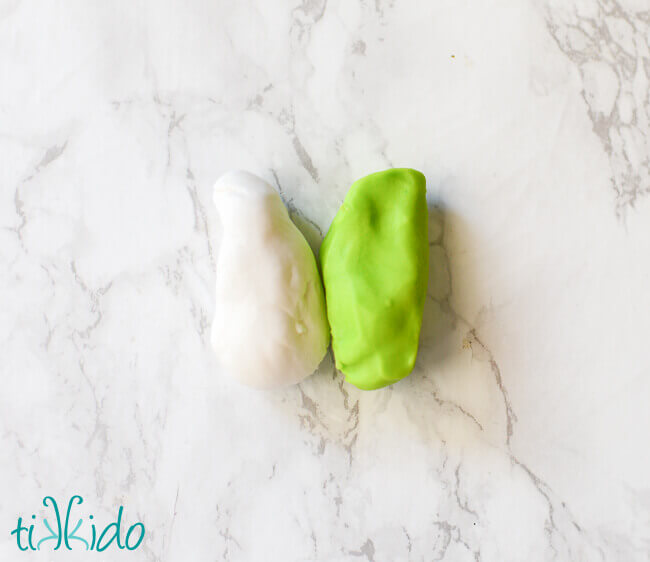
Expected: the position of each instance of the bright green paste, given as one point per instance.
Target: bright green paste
(375, 262)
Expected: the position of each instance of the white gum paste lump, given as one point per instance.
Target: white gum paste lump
(270, 326)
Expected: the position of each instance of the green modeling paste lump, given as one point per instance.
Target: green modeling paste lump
(375, 263)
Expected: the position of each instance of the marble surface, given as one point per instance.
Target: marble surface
(523, 432)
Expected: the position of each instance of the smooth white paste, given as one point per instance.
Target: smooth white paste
(270, 325)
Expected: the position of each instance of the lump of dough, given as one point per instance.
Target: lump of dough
(375, 263)
(270, 325)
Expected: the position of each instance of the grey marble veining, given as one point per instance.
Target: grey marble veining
(521, 434)
(609, 43)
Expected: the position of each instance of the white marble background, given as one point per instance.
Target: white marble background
(523, 433)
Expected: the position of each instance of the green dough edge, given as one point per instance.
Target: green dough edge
(375, 265)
